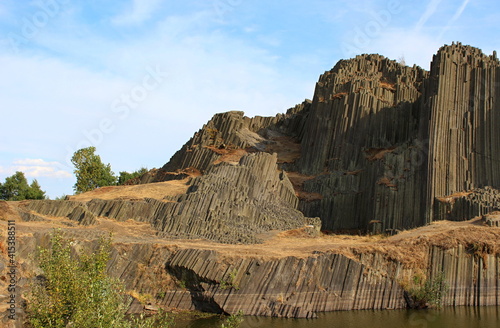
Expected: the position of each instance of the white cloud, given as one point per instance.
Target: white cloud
(36, 168)
(138, 12)
(206, 72)
(209, 68)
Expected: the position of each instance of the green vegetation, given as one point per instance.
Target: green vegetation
(90, 171)
(16, 187)
(160, 320)
(231, 282)
(160, 295)
(234, 320)
(62, 197)
(77, 292)
(427, 292)
(181, 284)
(126, 176)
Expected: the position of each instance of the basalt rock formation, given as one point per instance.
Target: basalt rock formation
(224, 279)
(393, 138)
(382, 147)
(230, 203)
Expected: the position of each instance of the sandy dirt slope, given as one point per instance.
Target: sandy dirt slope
(276, 244)
(156, 190)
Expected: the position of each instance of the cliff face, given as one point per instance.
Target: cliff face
(464, 105)
(362, 144)
(393, 138)
(268, 280)
(381, 147)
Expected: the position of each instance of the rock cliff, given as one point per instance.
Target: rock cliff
(289, 275)
(230, 203)
(232, 222)
(394, 138)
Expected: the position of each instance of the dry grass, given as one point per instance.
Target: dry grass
(374, 154)
(8, 210)
(309, 196)
(220, 151)
(339, 95)
(297, 180)
(386, 182)
(409, 247)
(451, 198)
(388, 86)
(156, 190)
(287, 149)
(354, 172)
(231, 156)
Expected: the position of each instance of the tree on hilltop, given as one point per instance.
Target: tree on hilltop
(90, 171)
(126, 176)
(16, 187)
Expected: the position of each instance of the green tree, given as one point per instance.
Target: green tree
(126, 176)
(35, 191)
(16, 187)
(90, 171)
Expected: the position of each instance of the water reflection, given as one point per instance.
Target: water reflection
(460, 317)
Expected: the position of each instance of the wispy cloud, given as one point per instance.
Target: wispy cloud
(137, 12)
(429, 11)
(455, 17)
(64, 82)
(36, 168)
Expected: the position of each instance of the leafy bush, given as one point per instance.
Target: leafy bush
(234, 320)
(160, 320)
(231, 282)
(126, 176)
(75, 292)
(428, 292)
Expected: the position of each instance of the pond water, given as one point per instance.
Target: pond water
(459, 317)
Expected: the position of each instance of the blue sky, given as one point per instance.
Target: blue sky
(137, 78)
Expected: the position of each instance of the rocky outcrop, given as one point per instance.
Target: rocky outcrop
(463, 100)
(467, 205)
(75, 211)
(289, 287)
(301, 287)
(230, 203)
(231, 130)
(360, 145)
(293, 286)
(470, 272)
(235, 203)
(396, 139)
(393, 138)
(381, 147)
